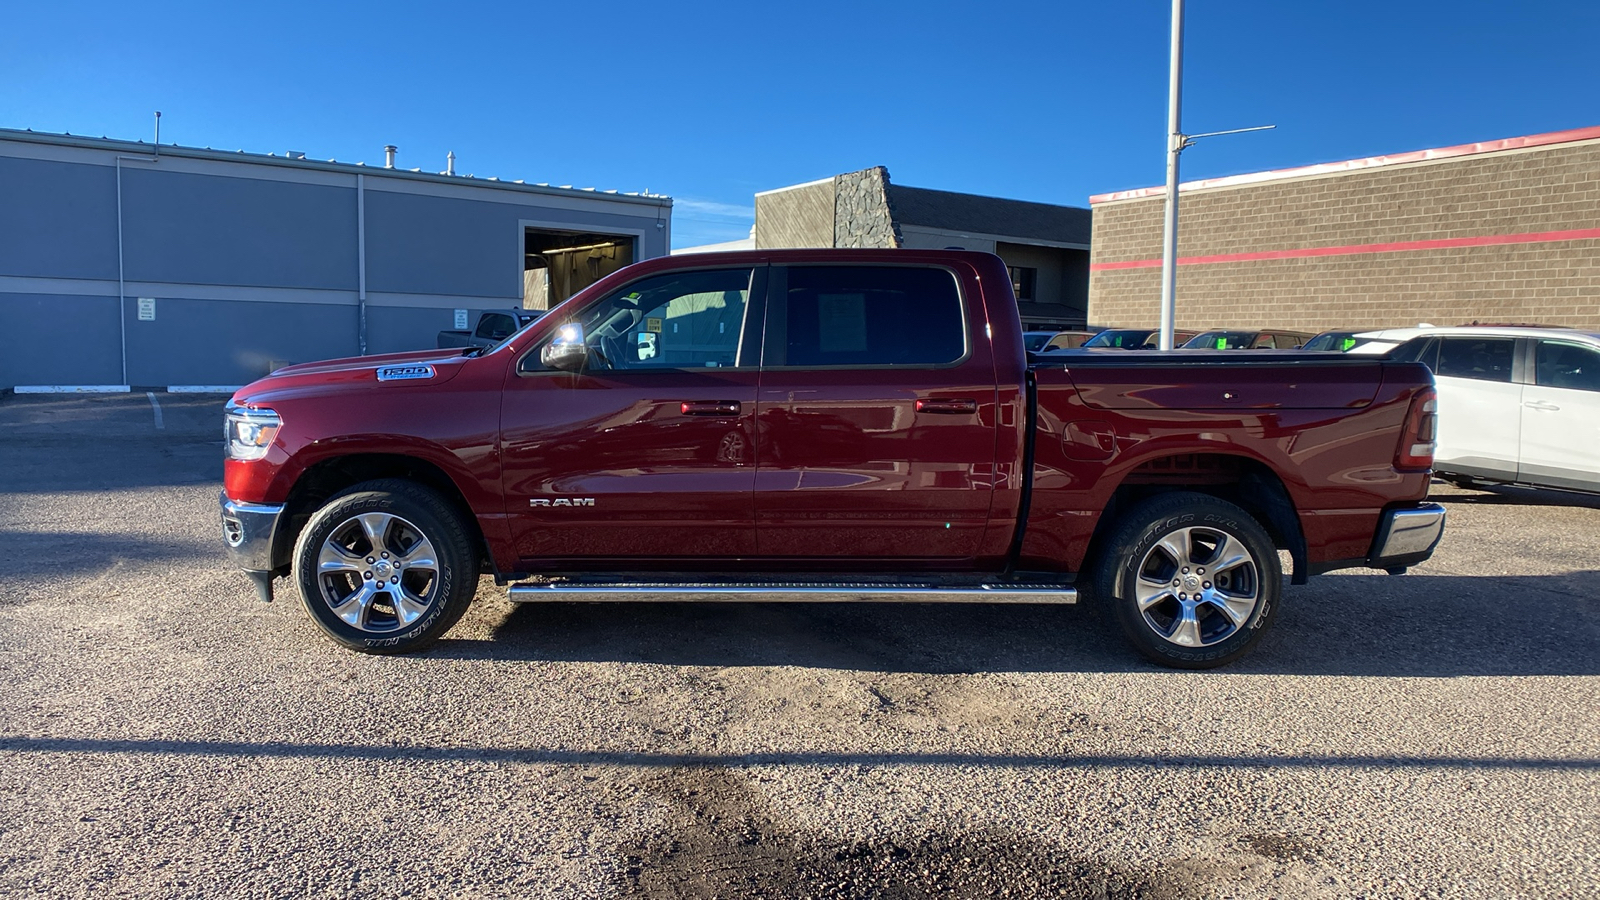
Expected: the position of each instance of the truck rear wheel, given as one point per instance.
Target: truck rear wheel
(386, 567)
(1194, 580)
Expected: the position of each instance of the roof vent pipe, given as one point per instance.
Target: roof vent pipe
(389, 150)
(450, 163)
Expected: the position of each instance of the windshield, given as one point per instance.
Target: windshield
(1341, 341)
(1123, 338)
(1220, 340)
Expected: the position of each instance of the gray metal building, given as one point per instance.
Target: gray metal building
(121, 265)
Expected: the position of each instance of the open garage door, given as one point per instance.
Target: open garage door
(558, 264)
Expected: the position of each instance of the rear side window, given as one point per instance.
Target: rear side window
(1481, 359)
(1564, 365)
(868, 316)
(1424, 350)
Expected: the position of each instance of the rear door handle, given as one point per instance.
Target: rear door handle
(1540, 404)
(950, 407)
(710, 407)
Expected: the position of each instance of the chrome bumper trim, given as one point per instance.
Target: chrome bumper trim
(1410, 533)
(806, 592)
(248, 530)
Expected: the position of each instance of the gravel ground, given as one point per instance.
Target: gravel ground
(163, 734)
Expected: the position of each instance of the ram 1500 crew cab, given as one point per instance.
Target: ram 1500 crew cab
(823, 425)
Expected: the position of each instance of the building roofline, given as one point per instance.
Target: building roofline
(241, 156)
(925, 190)
(795, 187)
(1357, 165)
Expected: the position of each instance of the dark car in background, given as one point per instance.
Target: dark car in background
(1339, 340)
(1132, 339)
(1231, 339)
(1046, 341)
(494, 326)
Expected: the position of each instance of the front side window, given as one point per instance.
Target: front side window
(1563, 365)
(1481, 359)
(682, 320)
(867, 316)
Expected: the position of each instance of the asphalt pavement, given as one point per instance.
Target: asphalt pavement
(163, 734)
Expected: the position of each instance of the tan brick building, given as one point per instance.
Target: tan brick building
(1501, 231)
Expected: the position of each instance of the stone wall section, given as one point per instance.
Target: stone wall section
(863, 215)
(1546, 189)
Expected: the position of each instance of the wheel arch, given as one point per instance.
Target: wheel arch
(1242, 480)
(327, 477)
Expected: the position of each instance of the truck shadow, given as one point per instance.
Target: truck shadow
(1512, 495)
(57, 443)
(35, 555)
(1363, 625)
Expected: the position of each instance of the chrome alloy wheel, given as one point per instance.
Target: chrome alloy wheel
(378, 572)
(1197, 586)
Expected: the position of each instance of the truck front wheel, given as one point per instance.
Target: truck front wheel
(385, 567)
(1194, 580)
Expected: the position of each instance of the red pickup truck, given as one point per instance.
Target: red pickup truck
(823, 425)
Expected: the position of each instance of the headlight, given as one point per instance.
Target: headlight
(247, 433)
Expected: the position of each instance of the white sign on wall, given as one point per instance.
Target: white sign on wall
(147, 309)
(461, 319)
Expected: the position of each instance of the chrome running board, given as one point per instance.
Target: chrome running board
(575, 590)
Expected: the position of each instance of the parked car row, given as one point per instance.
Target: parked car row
(1150, 338)
(1516, 404)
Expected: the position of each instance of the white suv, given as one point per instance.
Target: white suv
(1516, 404)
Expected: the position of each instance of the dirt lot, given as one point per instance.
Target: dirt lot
(163, 734)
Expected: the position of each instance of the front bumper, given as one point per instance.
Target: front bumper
(1406, 536)
(250, 531)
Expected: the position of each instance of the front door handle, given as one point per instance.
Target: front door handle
(951, 406)
(710, 407)
(1540, 404)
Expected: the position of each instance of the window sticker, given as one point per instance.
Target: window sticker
(1347, 343)
(652, 324)
(842, 322)
(1222, 343)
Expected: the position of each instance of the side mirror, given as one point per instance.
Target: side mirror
(567, 352)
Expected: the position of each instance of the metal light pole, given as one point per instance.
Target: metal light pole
(1176, 141)
(1175, 144)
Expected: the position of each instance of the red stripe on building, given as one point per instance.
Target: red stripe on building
(1354, 165)
(1542, 237)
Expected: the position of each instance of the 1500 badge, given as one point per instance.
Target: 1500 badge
(562, 501)
(404, 373)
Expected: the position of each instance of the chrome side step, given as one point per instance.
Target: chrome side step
(569, 591)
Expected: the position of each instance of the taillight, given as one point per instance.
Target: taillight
(1418, 437)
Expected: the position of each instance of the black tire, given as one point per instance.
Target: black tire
(1238, 607)
(418, 604)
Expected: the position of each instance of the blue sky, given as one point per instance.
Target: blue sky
(711, 102)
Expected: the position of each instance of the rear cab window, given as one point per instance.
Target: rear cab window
(495, 326)
(864, 316)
